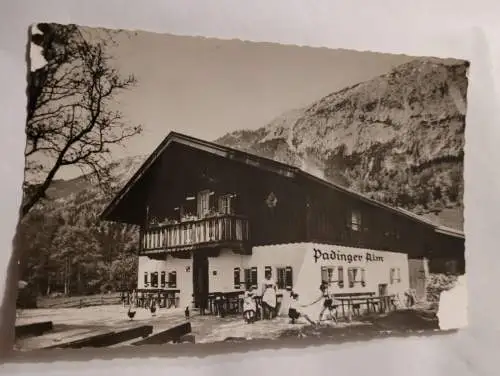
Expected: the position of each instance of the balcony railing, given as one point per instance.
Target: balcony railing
(188, 234)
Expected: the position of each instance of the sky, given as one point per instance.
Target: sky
(209, 87)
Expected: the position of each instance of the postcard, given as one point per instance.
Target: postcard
(196, 190)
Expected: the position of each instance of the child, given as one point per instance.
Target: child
(249, 307)
(327, 298)
(293, 310)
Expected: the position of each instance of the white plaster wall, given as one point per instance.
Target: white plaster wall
(377, 272)
(223, 266)
(299, 256)
(280, 256)
(275, 256)
(149, 265)
(181, 266)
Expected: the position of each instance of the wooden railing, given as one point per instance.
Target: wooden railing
(224, 228)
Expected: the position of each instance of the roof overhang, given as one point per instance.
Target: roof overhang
(450, 232)
(208, 147)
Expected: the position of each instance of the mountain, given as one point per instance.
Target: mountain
(398, 138)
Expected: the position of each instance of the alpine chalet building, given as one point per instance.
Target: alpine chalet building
(213, 220)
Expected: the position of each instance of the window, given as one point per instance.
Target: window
(327, 274)
(340, 271)
(394, 275)
(237, 276)
(172, 279)
(352, 274)
(250, 275)
(356, 275)
(203, 203)
(146, 283)
(162, 279)
(225, 206)
(154, 279)
(356, 220)
(284, 278)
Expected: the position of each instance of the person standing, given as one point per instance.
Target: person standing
(327, 297)
(269, 300)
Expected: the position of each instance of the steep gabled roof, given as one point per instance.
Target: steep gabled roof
(265, 164)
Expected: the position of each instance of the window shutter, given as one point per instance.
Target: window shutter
(162, 280)
(350, 276)
(288, 278)
(340, 270)
(247, 277)
(145, 279)
(391, 275)
(237, 278)
(254, 277)
(324, 274)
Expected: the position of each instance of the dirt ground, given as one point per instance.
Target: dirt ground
(70, 322)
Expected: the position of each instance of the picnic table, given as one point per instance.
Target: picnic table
(166, 298)
(352, 304)
(232, 302)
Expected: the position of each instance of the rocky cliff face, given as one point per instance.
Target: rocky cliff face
(398, 138)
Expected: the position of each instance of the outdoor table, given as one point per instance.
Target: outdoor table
(354, 303)
(225, 302)
(166, 297)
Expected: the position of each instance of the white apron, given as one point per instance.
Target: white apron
(269, 293)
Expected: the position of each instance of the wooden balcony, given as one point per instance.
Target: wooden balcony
(222, 230)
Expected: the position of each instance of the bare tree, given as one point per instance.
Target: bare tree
(70, 118)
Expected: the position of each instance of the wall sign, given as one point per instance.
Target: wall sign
(347, 257)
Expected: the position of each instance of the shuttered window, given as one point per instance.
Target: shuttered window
(172, 280)
(289, 278)
(237, 277)
(163, 279)
(284, 278)
(250, 275)
(254, 276)
(154, 279)
(146, 282)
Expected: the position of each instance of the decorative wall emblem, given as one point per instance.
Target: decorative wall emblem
(271, 200)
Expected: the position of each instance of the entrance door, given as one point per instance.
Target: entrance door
(418, 277)
(200, 280)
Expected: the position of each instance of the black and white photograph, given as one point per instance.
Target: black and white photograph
(194, 190)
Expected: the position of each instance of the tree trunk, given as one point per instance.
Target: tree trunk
(47, 293)
(79, 280)
(67, 276)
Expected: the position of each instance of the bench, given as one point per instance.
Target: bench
(106, 338)
(173, 334)
(34, 329)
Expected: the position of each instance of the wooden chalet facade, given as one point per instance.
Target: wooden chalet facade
(193, 199)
